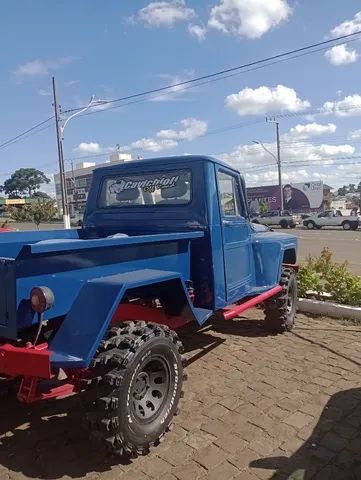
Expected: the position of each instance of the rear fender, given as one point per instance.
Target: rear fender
(84, 327)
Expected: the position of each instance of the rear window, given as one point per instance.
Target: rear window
(164, 188)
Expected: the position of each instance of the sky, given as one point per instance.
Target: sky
(118, 48)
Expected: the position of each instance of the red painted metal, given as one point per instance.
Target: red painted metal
(25, 361)
(134, 311)
(234, 310)
(30, 392)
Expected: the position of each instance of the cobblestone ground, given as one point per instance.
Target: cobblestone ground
(257, 406)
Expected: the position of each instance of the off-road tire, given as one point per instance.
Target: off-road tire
(117, 414)
(280, 311)
(310, 225)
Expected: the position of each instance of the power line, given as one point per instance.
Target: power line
(223, 72)
(325, 162)
(20, 135)
(27, 136)
(160, 95)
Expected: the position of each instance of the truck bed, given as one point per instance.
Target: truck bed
(63, 261)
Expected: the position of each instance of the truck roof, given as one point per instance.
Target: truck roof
(165, 161)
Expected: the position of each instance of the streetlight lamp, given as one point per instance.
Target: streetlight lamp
(60, 127)
(278, 163)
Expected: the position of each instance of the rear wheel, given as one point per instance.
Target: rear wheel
(134, 387)
(280, 311)
(283, 224)
(346, 225)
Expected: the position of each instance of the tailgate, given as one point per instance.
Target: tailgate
(8, 327)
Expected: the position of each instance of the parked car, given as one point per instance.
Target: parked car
(332, 218)
(277, 218)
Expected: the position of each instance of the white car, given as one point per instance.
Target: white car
(332, 218)
(276, 217)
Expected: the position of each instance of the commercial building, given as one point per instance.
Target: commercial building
(78, 181)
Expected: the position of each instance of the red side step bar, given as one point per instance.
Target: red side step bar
(234, 310)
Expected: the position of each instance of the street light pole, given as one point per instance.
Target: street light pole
(60, 127)
(64, 196)
(279, 163)
(279, 166)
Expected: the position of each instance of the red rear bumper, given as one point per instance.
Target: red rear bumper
(25, 361)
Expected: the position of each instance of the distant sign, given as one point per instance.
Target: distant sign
(15, 201)
(297, 197)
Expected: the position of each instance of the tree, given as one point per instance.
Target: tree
(263, 208)
(24, 181)
(43, 210)
(40, 194)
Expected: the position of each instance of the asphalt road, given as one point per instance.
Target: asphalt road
(344, 245)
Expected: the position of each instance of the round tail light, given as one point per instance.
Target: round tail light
(41, 299)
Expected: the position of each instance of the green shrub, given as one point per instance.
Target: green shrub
(323, 275)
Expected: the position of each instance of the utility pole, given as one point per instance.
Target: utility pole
(75, 194)
(64, 196)
(279, 167)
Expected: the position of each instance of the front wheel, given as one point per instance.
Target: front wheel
(283, 224)
(310, 225)
(138, 376)
(280, 311)
(346, 225)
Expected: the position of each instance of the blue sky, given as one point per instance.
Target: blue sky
(115, 48)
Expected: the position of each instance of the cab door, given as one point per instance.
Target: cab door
(236, 235)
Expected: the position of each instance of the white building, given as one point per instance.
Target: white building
(78, 181)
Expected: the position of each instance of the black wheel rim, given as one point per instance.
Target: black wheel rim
(149, 390)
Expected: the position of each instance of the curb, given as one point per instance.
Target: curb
(329, 309)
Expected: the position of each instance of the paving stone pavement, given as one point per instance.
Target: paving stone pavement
(256, 407)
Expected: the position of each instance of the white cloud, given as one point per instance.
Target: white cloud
(44, 93)
(350, 106)
(331, 150)
(190, 129)
(90, 147)
(310, 130)
(154, 144)
(173, 93)
(69, 83)
(263, 100)
(348, 26)
(248, 18)
(197, 31)
(355, 134)
(164, 13)
(341, 55)
(251, 159)
(42, 67)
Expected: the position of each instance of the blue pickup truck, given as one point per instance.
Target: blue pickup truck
(164, 242)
